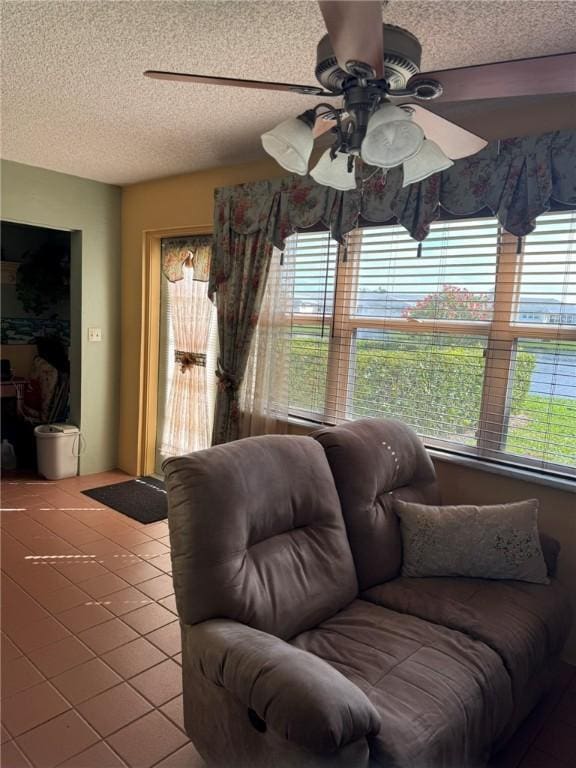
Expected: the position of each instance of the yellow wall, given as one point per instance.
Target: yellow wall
(179, 201)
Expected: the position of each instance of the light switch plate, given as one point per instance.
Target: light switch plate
(94, 334)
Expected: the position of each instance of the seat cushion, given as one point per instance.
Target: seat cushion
(524, 623)
(442, 696)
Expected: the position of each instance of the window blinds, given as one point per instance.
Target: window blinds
(470, 339)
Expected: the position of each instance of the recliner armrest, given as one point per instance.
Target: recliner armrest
(298, 695)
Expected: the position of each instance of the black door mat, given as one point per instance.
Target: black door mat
(142, 499)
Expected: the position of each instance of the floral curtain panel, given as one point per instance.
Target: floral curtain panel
(238, 303)
(515, 180)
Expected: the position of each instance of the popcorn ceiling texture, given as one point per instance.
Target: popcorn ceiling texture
(74, 99)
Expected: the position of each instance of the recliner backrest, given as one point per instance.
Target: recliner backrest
(257, 535)
(373, 460)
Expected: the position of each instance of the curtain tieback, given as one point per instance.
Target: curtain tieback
(226, 380)
(188, 359)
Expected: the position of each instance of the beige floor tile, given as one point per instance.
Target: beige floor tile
(161, 586)
(162, 562)
(79, 571)
(112, 710)
(169, 603)
(126, 601)
(131, 659)
(9, 650)
(86, 681)
(148, 740)
(175, 711)
(160, 683)
(84, 616)
(104, 585)
(98, 756)
(157, 530)
(58, 657)
(19, 675)
(50, 744)
(139, 572)
(151, 548)
(32, 707)
(12, 756)
(148, 618)
(167, 638)
(38, 634)
(119, 560)
(107, 636)
(63, 599)
(185, 757)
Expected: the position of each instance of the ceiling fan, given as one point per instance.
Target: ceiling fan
(374, 69)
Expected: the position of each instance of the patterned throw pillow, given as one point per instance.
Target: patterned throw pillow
(493, 542)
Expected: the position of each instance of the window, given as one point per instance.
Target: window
(472, 342)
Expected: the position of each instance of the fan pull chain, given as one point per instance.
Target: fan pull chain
(419, 251)
(519, 242)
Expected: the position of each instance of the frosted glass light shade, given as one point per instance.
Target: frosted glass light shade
(334, 172)
(391, 137)
(431, 159)
(290, 144)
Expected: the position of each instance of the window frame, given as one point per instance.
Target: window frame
(502, 334)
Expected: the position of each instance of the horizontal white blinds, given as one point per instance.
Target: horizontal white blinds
(311, 260)
(471, 339)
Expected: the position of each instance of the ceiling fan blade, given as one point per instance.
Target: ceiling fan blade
(355, 31)
(322, 126)
(506, 118)
(182, 77)
(454, 141)
(506, 79)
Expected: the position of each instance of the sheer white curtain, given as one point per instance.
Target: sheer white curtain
(264, 394)
(187, 413)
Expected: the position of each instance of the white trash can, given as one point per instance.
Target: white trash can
(57, 449)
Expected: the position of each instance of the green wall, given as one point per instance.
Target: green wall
(91, 211)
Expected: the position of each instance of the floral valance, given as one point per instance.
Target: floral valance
(516, 180)
(194, 252)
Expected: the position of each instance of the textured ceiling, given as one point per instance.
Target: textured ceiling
(74, 99)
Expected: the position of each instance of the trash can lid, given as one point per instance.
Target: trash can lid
(67, 428)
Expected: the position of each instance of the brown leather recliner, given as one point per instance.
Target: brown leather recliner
(298, 647)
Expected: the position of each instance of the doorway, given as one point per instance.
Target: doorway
(187, 349)
(36, 333)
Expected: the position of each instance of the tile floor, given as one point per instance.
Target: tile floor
(91, 673)
(91, 656)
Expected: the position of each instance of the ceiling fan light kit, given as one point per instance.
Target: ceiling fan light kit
(391, 137)
(335, 170)
(375, 69)
(291, 143)
(429, 160)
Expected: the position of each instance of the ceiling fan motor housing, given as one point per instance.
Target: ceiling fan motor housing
(402, 56)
